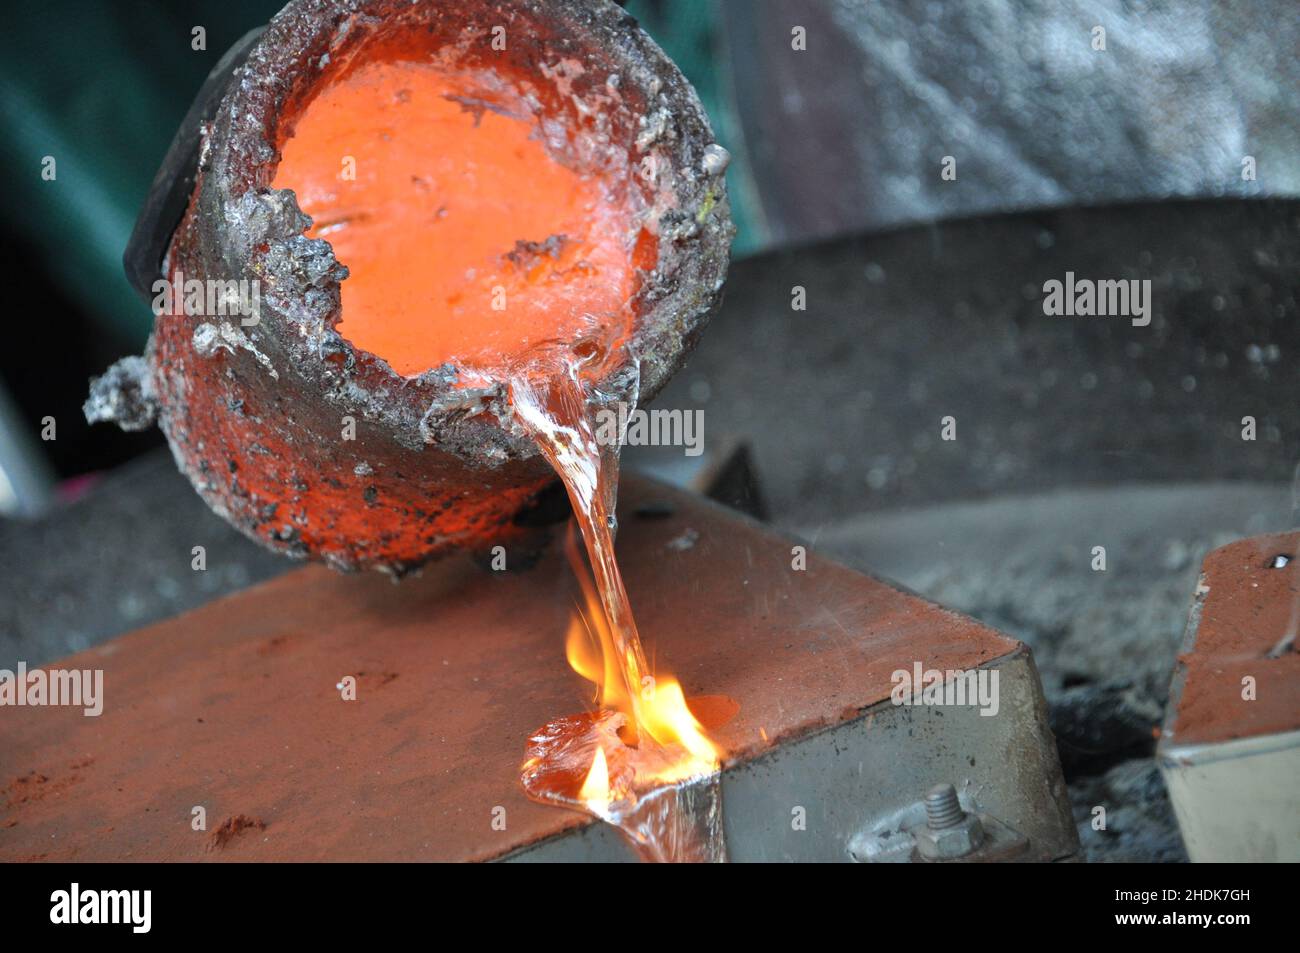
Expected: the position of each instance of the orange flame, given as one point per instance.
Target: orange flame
(595, 790)
(659, 712)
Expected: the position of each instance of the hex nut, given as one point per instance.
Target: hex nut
(948, 843)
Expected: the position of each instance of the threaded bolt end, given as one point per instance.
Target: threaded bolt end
(942, 809)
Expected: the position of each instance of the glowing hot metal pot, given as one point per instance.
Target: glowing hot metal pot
(255, 413)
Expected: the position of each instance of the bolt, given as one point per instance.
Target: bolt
(942, 809)
(949, 832)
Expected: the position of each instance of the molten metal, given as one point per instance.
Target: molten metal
(256, 415)
(526, 229)
(650, 769)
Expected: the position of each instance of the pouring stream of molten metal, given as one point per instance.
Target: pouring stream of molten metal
(468, 243)
(643, 746)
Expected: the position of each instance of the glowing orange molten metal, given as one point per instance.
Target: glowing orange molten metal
(658, 710)
(644, 760)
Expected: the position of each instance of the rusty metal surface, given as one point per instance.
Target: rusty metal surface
(1230, 748)
(1243, 611)
(234, 707)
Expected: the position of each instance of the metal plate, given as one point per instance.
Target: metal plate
(234, 708)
